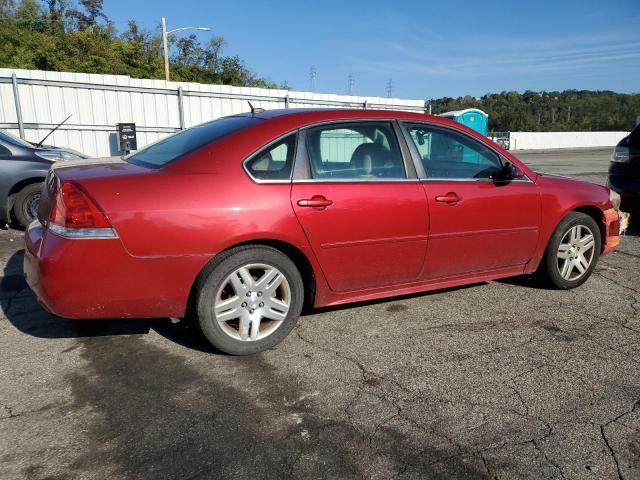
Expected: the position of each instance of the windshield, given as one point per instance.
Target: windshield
(175, 146)
(13, 140)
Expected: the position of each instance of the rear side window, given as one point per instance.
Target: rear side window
(358, 151)
(273, 162)
(175, 146)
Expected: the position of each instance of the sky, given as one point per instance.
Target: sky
(425, 49)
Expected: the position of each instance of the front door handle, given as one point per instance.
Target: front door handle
(450, 197)
(317, 201)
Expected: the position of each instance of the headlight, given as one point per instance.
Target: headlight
(56, 155)
(620, 154)
(614, 198)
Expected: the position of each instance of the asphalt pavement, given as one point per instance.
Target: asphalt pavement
(495, 380)
(589, 164)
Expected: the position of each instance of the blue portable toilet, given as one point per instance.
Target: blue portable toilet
(470, 117)
(476, 120)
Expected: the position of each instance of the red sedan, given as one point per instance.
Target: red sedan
(243, 220)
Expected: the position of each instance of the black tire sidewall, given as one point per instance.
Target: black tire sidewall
(211, 279)
(22, 200)
(551, 273)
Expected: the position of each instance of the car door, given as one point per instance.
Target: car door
(478, 223)
(360, 204)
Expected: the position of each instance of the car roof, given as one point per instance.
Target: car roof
(301, 117)
(329, 113)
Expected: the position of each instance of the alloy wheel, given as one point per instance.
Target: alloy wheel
(252, 302)
(575, 252)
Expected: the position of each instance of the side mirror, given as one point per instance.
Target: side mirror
(510, 172)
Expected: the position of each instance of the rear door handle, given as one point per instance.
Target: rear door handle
(450, 197)
(317, 201)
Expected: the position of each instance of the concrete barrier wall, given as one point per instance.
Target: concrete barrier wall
(546, 140)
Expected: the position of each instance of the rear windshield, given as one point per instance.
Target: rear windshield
(175, 146)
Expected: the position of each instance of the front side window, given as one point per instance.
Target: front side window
(358, 151)
(448, 154)
(273, 162)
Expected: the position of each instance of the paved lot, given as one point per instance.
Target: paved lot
(496, 380)
(585, 163)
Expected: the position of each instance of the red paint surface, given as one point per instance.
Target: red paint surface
(374, 239)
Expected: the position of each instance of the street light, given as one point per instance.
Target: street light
(165, 35)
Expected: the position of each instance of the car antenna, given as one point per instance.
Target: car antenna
(39, 144)
(254, 110)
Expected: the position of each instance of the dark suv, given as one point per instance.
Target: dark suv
(23, 168)
(624, 170)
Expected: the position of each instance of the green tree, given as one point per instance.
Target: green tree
(88, 19)
(64, 35)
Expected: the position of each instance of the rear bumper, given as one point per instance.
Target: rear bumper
(98, 278)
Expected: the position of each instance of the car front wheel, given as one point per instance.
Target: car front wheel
(572, 253)
(249, 299)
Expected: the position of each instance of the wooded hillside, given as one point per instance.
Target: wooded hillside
(570, 110)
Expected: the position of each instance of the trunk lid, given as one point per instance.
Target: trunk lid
(80, 172)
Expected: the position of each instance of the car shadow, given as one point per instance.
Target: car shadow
(20, 305)
(526, 281)
(347, 306)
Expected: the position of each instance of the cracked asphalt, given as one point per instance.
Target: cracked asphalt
(494, 380)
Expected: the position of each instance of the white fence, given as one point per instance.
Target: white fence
(544, 140)
(32, 102)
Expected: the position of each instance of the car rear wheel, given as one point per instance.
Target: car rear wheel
(572, 253)
(26, 204)
(249, 299)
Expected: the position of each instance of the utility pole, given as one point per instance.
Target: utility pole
(165, 42)
(351, 84)
(165, 47)
(569, 114)
(312, 78)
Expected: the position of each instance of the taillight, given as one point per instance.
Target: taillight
(75, 214)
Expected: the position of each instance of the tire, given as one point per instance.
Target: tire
(553, 270)
(25, 207)
(238, 326)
